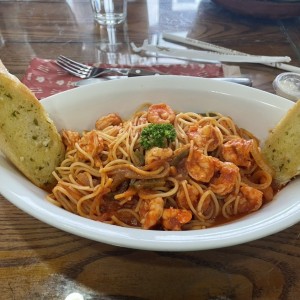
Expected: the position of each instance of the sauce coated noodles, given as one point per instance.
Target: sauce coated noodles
(211, 172)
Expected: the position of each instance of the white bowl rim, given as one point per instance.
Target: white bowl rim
(27, 197)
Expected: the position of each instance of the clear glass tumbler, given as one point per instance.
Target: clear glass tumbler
(109, 12)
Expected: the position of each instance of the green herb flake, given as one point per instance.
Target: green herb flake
(15, 113)
(157, 135)
(8, 96)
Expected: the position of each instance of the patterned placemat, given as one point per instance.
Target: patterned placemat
(45, 78)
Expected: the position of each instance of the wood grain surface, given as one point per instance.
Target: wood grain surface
(41, 262)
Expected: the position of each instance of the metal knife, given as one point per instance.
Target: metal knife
(196, 55)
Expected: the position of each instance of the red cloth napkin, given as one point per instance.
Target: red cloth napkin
(45, 78)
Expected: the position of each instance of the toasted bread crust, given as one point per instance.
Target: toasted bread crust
(281, 150)
(28, 137)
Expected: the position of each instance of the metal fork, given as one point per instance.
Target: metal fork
(84, 71)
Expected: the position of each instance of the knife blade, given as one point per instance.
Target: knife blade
(216, 48)
(213, 57)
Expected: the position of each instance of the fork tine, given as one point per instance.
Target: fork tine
(70, 70)
(84, 71)
(74, 69)
(73, 62)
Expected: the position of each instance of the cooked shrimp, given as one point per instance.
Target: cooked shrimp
(174, 218)
(207, 137)
(142, 120)
(156, 153)
(250, 199)
(70, 138)
(108, 120)
(225, 179)
(237, 151)
(181, 198)
(199, 166)
(151, 211)
(91, 143)
(160, 113)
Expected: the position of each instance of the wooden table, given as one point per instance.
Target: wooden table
(40, 262)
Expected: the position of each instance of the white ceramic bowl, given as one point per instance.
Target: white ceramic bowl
(78, 109)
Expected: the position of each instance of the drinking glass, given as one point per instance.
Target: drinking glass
(109, 12)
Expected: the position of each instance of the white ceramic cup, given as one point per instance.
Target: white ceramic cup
(109, 12)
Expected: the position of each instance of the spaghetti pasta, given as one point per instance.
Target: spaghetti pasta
(211, 173)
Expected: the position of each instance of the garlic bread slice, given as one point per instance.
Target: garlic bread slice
(28, 137)
(281, 149)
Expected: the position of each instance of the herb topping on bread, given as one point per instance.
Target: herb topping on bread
(281, 150)
(28, 137)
